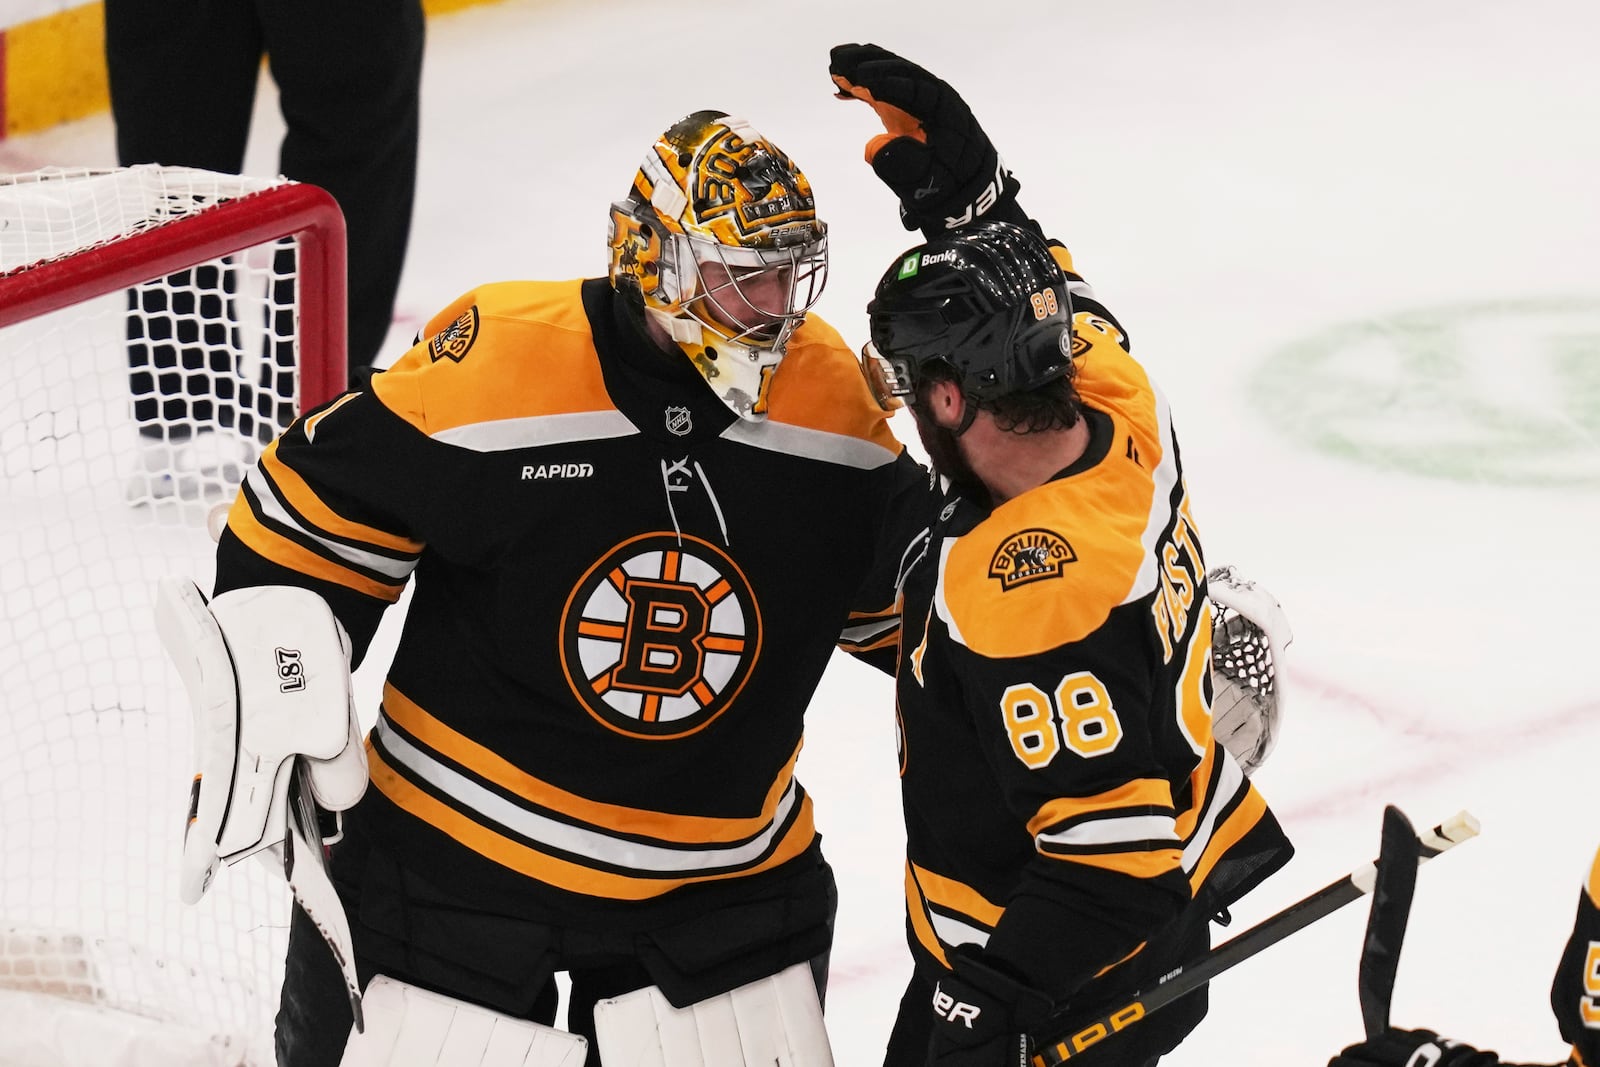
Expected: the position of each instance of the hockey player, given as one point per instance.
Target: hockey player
(1574, 997)
(1072, 824)
(633, 512)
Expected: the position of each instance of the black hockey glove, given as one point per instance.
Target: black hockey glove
(981, 1017)
(1398, 1048)
(934, 155)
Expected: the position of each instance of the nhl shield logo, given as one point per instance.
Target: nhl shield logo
(678, 421)
(1030, 556)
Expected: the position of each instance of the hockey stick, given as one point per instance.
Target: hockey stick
(1185, 979)
(1398, 857)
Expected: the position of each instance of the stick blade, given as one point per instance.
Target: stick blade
(1398, 856)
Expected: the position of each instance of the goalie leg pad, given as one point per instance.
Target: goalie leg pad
(774, 1021)
(267, 670)
(412, 1027)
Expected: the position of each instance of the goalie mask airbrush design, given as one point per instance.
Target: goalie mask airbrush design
(720, 238)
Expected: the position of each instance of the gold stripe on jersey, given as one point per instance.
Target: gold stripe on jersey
(957, 896)
(1594, 881)
(1128, 829)
(1112, 517)
(314, 420)
(917, 915)
(272, 545)
(1063, 258)
(304, 500)
(1076, 286)
(1199, 792)
(1140, 796)
(1113, 966)
(1226, 807)
(1139, 864)
(553, 870)
(1238, 822)
(667, 829)
(944, 911)
(868, 630)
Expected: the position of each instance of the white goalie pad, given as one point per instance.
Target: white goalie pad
(268, 675)
(1249, 634)
(771, 1022)
(412, 1027)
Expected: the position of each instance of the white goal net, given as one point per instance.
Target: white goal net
(157, 327)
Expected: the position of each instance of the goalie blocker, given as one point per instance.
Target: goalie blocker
(267, 670)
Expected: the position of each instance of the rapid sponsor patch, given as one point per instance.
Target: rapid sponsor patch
(1030, 556)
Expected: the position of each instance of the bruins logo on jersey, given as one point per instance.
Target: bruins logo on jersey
(1029, 556)
(659, 636)
(455, 339)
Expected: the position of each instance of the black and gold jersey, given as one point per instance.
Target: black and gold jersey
(622, 597)
(1575, 994)
(1064, 797)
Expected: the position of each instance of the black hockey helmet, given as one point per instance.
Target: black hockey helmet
(988, 300)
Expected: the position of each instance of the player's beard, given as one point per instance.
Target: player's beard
(944, 452)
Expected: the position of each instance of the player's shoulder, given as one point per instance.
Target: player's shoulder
(503, 350)
(819, 387)
(1045, 569)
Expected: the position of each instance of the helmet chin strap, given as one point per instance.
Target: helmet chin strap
(683, 329)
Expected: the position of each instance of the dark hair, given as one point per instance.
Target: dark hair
(1055, 405)
(1052, 406)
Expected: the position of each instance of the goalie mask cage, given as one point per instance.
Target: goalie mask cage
(157, 327)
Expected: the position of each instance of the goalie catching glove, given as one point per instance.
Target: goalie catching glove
(1248, 635)
(268, 675)
(934, 155)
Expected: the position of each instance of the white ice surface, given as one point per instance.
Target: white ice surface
(1235, 178)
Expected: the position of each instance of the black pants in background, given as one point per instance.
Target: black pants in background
(183, 77)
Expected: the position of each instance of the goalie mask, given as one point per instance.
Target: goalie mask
(719, 236)
(987, 302)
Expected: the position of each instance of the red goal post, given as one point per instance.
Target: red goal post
(157, 327)
(289, 209)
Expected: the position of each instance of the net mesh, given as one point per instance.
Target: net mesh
(124, 419)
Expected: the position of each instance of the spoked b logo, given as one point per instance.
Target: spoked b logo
(659, 636)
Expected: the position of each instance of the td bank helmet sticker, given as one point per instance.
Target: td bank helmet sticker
(659, 636)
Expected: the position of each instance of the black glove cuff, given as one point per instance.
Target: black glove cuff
(978, 199)
(1021, 1005)
(1006, 209)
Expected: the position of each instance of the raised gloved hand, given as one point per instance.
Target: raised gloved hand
(1402, 1048)
(934, 155)
(981, 1017)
